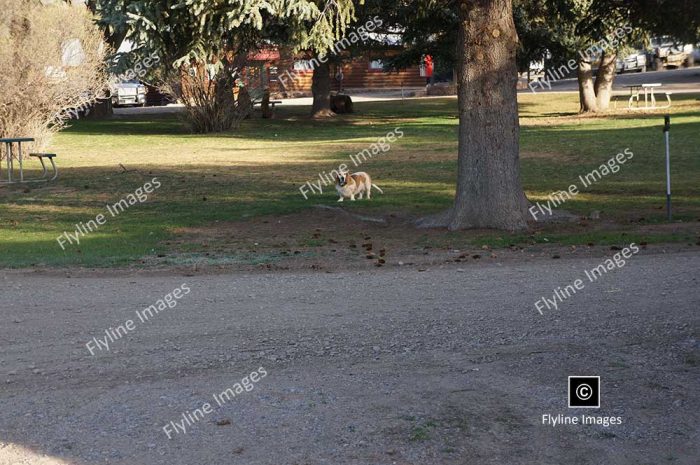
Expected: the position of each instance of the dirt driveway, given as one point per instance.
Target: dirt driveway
(450, 365)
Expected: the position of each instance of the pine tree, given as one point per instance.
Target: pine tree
(191, 35)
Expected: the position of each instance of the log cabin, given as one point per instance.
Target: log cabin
(274, 68)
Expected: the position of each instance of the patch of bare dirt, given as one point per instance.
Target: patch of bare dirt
(333, 240)
(330, 240)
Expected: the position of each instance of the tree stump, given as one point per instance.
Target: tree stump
(101, 109)
(341, 103)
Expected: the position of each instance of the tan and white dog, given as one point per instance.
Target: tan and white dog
(356, 184)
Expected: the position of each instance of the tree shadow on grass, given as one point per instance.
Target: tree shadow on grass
(372, 119)
(416, 176)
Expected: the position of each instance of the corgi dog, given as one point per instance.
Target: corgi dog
(356, 184)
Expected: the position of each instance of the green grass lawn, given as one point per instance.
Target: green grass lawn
(257, 170)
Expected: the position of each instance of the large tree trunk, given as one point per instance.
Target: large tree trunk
(586, 90)
(489, 192)
(321, 90)
(604, 80)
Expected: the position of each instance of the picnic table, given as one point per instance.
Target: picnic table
(9, 154)
(9, 142)
(636, 90)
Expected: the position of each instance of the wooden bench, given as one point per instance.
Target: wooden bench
(41, 157)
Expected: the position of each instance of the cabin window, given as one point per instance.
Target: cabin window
(303, 65)
(377, 65)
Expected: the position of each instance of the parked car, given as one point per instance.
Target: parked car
(128, 93)
(668, 53)
(536, 69)
(635, 61)
(696, 54)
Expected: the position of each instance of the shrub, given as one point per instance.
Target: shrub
(207, 92)
(52, 58)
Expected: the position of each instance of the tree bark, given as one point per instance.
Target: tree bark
(321, 90)
(604, 80)
(265, 105)
(586, 89)
(489, 193)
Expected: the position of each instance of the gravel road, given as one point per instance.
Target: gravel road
(399, 366)
(677, 80)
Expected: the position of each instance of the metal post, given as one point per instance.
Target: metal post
(9, 162)
(19, 154)
(667, 129)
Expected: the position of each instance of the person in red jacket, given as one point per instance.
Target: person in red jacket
(428, 61)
